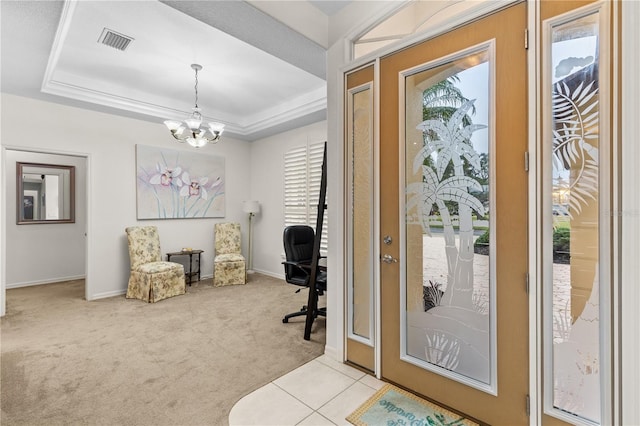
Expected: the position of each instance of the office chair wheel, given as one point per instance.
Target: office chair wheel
(285, 320)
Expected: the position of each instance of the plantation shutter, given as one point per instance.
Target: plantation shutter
(302, 176)
(295, 187)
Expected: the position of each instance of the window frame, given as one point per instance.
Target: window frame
(301, 185)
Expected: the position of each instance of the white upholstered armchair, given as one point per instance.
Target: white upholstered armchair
(151, 279)
(229, 266)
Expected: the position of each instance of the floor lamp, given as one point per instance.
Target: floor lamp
(251, 207)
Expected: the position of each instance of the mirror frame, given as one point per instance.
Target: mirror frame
(20, 193)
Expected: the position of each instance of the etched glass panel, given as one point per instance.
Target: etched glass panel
(360, 155)
(573, 231)
(448, 292)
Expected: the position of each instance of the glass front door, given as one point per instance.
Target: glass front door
(454, 197)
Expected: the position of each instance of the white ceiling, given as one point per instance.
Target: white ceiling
(329, 7)
(260, 77)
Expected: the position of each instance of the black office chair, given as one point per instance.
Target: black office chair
(298, 248)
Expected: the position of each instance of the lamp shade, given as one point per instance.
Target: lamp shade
(251, 207)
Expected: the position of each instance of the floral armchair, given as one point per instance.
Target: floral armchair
(229, 266)
(151, 279)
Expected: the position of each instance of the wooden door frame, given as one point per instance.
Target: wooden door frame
(364, 354)
(611, 410)
(626, 341)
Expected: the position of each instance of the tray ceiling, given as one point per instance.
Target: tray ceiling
(255, 91)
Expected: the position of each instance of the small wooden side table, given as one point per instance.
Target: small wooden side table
(192, 273)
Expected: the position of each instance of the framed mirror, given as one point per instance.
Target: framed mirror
(45, 193)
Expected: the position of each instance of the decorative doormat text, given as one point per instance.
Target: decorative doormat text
(392, 406)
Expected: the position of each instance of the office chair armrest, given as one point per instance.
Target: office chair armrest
(306, 268)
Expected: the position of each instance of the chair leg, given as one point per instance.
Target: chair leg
(303, 312)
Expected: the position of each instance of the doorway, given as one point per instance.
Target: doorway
(44, 252)
(462, 228)
(452, 218)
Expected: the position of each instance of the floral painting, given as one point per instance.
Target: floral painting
(175, 184)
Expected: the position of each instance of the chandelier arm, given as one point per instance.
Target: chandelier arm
(180, 138)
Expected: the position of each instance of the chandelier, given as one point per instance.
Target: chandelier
(192, 130)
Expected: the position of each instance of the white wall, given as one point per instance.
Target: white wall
(630, 215)
(267, 187)
(334, 345)
(3, 231)
(42, 253)
(109, 142)
(301, 16)
(346, 24)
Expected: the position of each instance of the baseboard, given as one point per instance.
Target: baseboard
(332, 353)
(270, 274)
(107, 294)
(46, 281)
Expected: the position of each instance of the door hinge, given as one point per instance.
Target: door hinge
(526, 161)
(526, 279)
(528, 406)
(526, 38)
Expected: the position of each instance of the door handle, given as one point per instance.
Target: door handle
(387, 258)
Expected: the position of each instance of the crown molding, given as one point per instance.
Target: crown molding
(68, 86)
(300, 107)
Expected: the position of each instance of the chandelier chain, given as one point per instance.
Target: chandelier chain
(196, 87)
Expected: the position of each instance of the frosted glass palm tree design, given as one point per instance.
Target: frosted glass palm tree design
(451, 145)
(575, 116)
(448, 296)
(575, 295)
(452, 329)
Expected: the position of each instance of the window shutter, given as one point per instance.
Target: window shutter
(302, 178)
(295, 187)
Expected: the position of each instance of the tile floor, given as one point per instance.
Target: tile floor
(321, 392)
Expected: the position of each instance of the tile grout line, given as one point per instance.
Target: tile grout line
(341, 372)
(313, 411)
(343, 364)
(342, 392)
(316, 411)
(338, 394)
(320, 414)
(294, 397)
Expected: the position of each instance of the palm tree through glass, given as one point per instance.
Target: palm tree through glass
(447, 218)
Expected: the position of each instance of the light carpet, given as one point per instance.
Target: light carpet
(393, 406)
(182, 361)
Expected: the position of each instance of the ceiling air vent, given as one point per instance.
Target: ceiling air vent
(113, 39)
